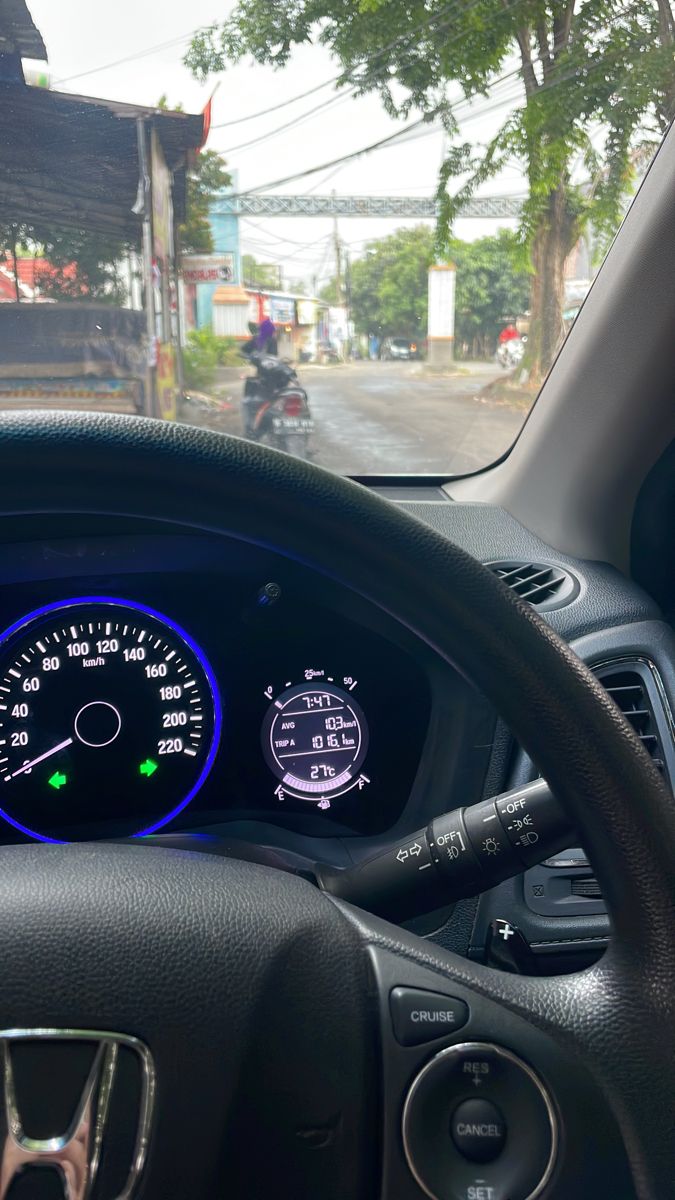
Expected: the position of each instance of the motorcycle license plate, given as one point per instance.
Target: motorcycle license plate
(292, 424)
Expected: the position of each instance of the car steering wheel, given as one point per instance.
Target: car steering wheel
(261, 1003)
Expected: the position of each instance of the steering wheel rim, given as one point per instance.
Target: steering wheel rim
(60, 463)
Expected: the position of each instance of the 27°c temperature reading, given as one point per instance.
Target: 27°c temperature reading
(315, 740)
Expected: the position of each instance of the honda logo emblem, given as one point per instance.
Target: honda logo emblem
(116, 1078)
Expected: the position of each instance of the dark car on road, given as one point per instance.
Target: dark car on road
(395, 349)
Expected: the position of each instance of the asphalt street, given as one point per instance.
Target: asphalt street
(393, 418)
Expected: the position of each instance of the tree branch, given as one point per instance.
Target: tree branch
(531, 83)
(544, 49)
(523, 39)
(666, 22)
(562, 27)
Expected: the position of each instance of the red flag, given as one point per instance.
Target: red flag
(206, 118)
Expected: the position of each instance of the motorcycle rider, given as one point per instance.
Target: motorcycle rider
(262, 341)
(264, 338)
(509, 346)
(508, 334)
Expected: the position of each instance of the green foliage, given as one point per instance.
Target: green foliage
(595, 79)
(329, 293)
(492, 288)
(85, 263)
(96, 258)
(206, 176)
(203, 352)
(389, 284)
(16, 240)
(259, 274)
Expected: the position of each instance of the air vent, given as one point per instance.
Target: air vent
(543, 586)
(628, 689)
(588, 887)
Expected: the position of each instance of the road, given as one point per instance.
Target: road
(396, 418)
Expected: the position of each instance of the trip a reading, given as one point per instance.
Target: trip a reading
(315, 740)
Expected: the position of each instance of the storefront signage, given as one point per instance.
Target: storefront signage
(208, 268)
(282, 310)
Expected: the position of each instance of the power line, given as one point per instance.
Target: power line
(323, 182)
(265, 187)
(264, 137)
(339, 97)
(275, 237)
(397, 137)
(274, 108)
(402, 37)
(400, 135)
(299, 251)
(119, 62)
(306, 260)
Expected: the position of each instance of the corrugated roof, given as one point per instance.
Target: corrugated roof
(73, 160)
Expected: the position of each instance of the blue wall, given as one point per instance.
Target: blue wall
(225, 230)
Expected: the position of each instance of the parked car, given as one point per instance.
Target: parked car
(398, 349)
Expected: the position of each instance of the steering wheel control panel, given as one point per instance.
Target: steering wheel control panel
(478, 1124)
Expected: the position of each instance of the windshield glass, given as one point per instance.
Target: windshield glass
(356, 232)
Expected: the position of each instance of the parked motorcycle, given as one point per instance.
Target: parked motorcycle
(275, 408)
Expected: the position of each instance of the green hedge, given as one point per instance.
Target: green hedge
(204, 352)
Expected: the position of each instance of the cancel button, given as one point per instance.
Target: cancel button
(478, 1130)
(419, 1016)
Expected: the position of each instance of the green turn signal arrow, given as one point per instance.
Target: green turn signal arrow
(148, 767)
(57, 780)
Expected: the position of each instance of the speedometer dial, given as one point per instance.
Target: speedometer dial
(109, 720)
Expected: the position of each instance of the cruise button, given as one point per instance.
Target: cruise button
(419, 1016)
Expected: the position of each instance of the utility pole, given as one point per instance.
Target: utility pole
(348, 300)
(338, 258)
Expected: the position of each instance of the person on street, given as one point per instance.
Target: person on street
(263, 340)
(508, 333)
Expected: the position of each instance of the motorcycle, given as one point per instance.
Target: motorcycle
(510, 354)
(275, 408)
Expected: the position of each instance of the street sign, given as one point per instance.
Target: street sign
(207, 268)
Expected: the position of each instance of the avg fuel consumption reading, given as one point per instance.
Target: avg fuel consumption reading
(109, 714)
(315, 739)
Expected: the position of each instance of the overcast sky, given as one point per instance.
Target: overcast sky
(132, 50)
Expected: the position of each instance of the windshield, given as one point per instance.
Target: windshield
(358, 233)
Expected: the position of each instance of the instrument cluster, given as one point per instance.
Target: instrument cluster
(182, 701)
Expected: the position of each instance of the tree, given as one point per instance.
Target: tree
(16, 239)
(389, 284)
(85, 265)
(260, 274)
(206, 175)
(591, 78)
(492, 287)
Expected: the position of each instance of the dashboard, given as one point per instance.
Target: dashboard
(165, 683)
(204, 691)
